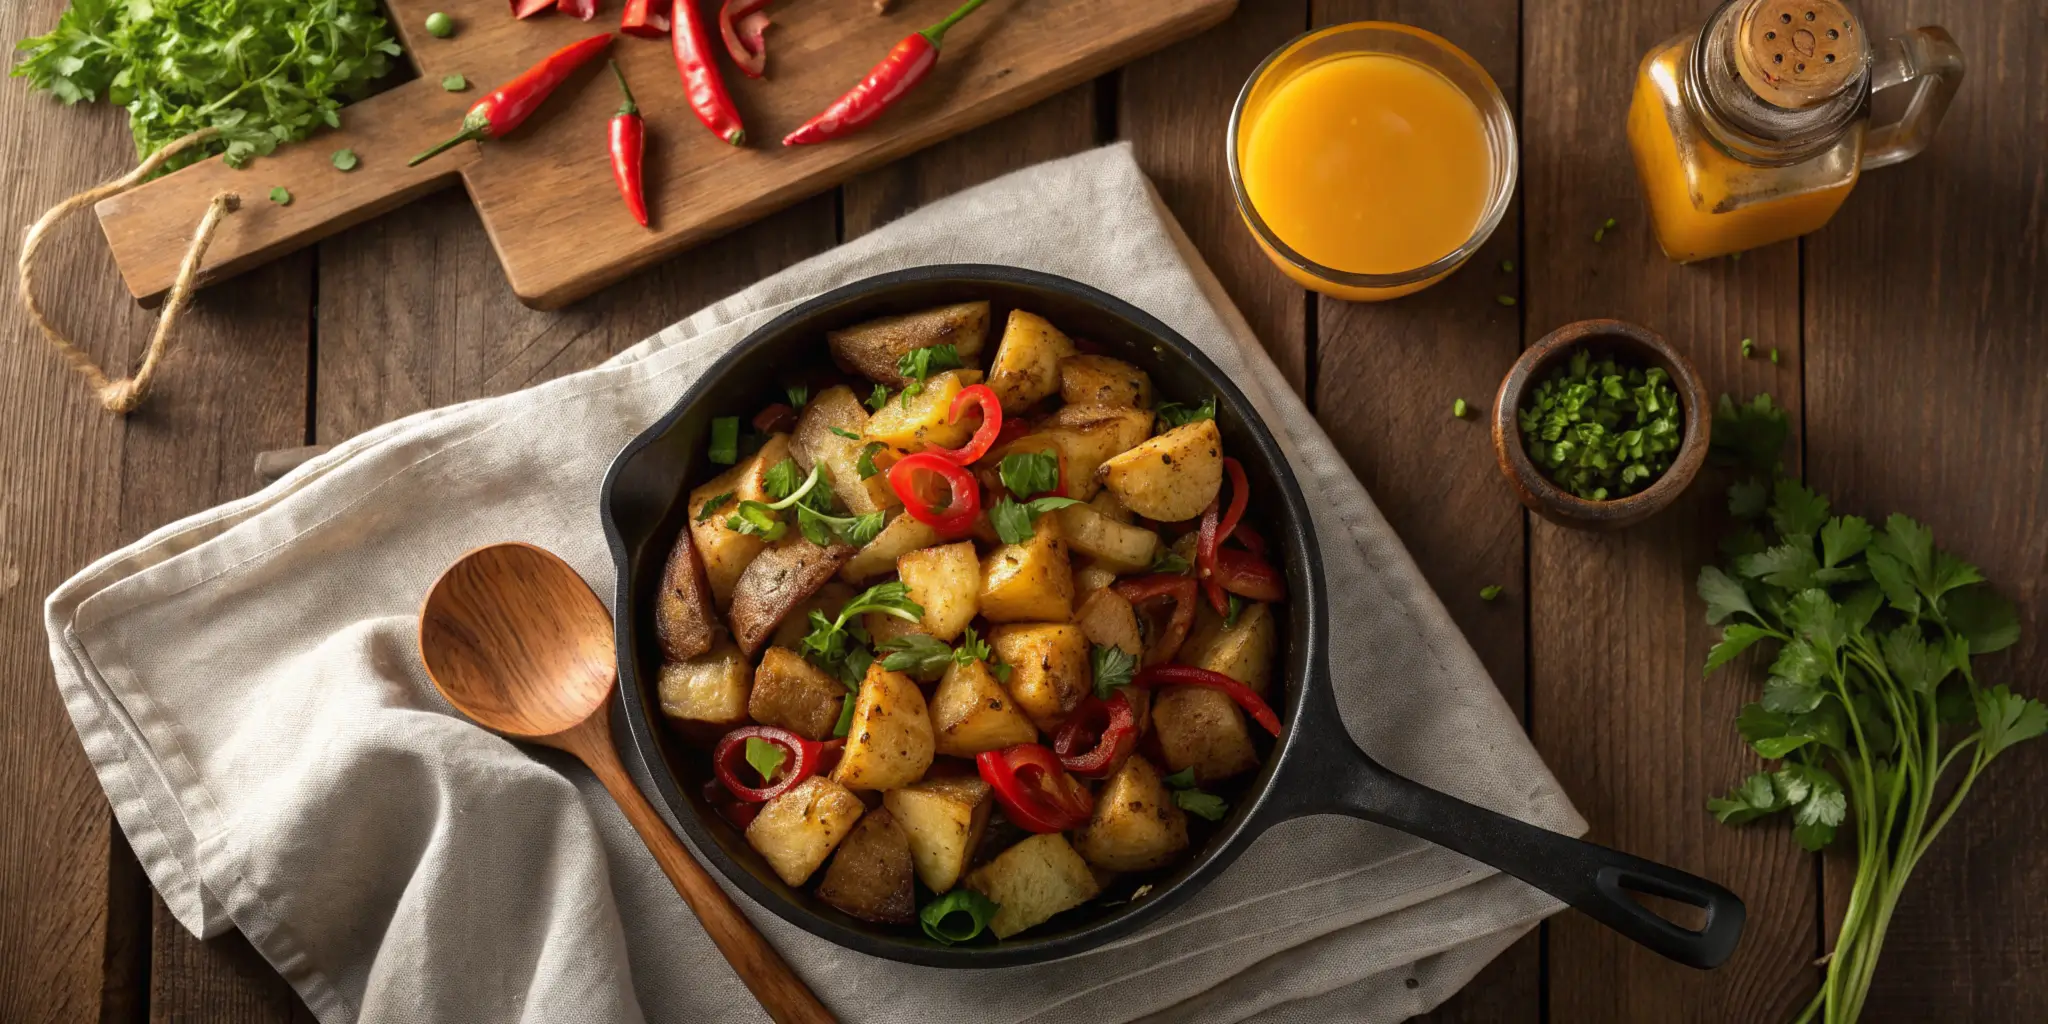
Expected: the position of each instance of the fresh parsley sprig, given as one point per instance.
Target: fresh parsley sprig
(1193, 800)
(918, 364)
(1174, 414)
(926, 657)
(1026, 474)
(839, 644)
(1113, 667)
(1012, 520)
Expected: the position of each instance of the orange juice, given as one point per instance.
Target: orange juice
(1368, 163)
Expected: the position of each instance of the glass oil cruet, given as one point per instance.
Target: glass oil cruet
(1754, 129)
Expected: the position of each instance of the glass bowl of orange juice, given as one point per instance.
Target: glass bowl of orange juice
(1372, 159)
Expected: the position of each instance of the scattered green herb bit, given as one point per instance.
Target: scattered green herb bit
(782, 479)
(845, 724)
(822, 528)
(1749, 435)
(839, 644)
(877, 398)
(920, 363)
(1029, 473)
(916, 654)
(281, 196)
(974, 648)
(1458, 408)
(345, 160)
(261, 74)
(455, 83)
(755, 519)
(1167, 561)
(1507, 266)
(845, 433)
(712, 505)
(1183, 779)
(1505, 300)
(440, 26)
(1232, 610)
(1489, 592)
(1207, 805)
(940, 917)
(1012, 519)
(1748, 347)
(1113, 667)
(1601, 231)
(725, 440)
(1174, 414)
(799, 396)
(865, 465)
(766, 758)
(1600, 429)
(1774, 357)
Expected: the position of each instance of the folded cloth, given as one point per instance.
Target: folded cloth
(246, 684)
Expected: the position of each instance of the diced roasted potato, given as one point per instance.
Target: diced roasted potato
(1107, 618)
(1136, 826)
(1171, 477)
(944, 819)
(920, 422)
(1091, 575)
(776, 581)
(1243, 652)
(726, 552)
(872, 348)
(1085, 436)
(710, 688)
(1203, 729)
(1100, 380)
(901, 536)
(946, 581)
(796, 831)
(797, 624)
(1119, 428)
(890, 742)
(972, 712)
(1049, 668)
(1027, 363)
(815, 444)
(1117, 545)
(795, 694)
(1105, 504)
(1029, 582)
(1032, 881)
(870, 876)
(684, 620)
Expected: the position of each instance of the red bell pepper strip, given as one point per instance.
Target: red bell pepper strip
(1181, 589)
(958, 514)
(524, 9)
(1035, 792)
(906, 65)
(629, 147)
(1188, 675)
(1097, 736)
(1215, 532)
(581, 10)
(777, 418)
(1245, 535)
(1247, 575)
(512, 103)
(643, 18)
(985, 435)
(701, 83)
(741, 24)
(801, 758)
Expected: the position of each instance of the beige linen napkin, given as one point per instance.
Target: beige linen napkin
(246, 684)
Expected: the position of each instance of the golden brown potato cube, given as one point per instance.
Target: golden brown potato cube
(1172, 477)
(1136, 826)
(1105, 504)
(725, 551)
(946, 582)
(1101, 380)
(1032, 881)
(1202, 729)
(710, 688)
(944, 819)
(1112, 429)
(870, 876)
(1049, 668)
(1091, 575)
(890, 742)
(797, 624)
(919, 422)
(796, 831)
(815, 443)
(1119, 546)
(1027, 363)
(1031, 581)
(972, 712)
(776, 581)
(685, 622)
(795, 694)
(1108, 620)
(901, 536)
(1244, 651)
(872, 348)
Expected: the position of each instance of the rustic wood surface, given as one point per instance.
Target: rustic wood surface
(1911, 361)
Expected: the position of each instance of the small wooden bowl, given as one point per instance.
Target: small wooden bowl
(1629, 343)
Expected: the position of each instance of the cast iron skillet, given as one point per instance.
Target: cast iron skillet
(1313, 768)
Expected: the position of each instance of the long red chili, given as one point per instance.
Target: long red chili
(1036, 794)
(1181, 589)
(1188, 675)
(509, 105)
(1214, 532)
(629, 146)
(697, 61)
(906, 65)
(1247, 575)
(643, 18)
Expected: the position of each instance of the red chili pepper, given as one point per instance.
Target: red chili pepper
(1247, 575)
(985, 435)
(629, 146)
(581, 10)
(1245, 535)
(741, 24)
(1215, 532)
(512, 103)
(643, 18)
(958, 514)
(524, 9)
(1188, 675)
(777, 418)
(801, 757)
(706, 91)
(1097, 737)
(904, 67)
(1035, 792)
(1181, 589)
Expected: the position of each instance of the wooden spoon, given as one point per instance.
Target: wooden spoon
(514, 639)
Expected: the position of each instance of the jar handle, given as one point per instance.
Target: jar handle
(1929, 60)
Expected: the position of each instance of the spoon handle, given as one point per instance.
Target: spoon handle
(785, 996)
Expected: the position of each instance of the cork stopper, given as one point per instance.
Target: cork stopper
(1798, 53)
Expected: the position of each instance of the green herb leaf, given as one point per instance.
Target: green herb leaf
(1012, 520)
(725, 440)
(1724, 596)
(1183, 779)
(1747, 499)
(454, 82)
(919, 364)
(847, 434)
(766, 758)
(1458, 408)
(1796, 509)
(281, 196)
(712, 505)
(1914, 662)
(1753, 799)
(799, 396)
(1893, 579)
(941, 917)
(845, 723)
(1749, 436)
(2006, 718)
(1113, 667)
(1207, 805)
(1844, 537)
(1989, 622)
(1168, 562)
(1735, 639)
(1174, 414)
(1490, 592)
(865, 465)
(1790, 566)
(755, 519)
(1790, 696)
(1235, 607)
(877, 398)
(782, 479)
(344, 160)
(916, 654)
(1029, 473)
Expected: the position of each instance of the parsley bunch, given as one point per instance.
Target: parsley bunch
(1872, 698)
(263, 72)
(1602, 430)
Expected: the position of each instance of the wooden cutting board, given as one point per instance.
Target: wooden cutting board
(546, 195)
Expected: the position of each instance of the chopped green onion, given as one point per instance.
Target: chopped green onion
(1774, 357)
(1489, 592)
(1207, 805)
(1505, 300)
(455, 83)
(1507, 266)
(345, 160)
(1748, 347)
(725, 440)
(845, 718)
(938, 916)
(1458, 408)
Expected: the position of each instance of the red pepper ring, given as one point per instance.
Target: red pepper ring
(801, 761)
(1249, 576)
(1188, 675)
(1035, 792)
(985, 435)
(1097, 737)
(959, 513)
(1139, 589)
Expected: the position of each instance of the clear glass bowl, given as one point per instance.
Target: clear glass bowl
(1357, 39)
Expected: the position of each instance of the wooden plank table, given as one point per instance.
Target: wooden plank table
(1913, 368)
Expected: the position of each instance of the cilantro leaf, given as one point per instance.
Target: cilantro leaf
(1113, 667)
(799, 396)
(916, 654)
(712, 505)
(1012, 520)
(1207, 805)
(1749, 436)
(847, 434)
(1167, 561)
(1174, 414)
(1842, 538)
(754, 519)
(1747, 499)
(1790, 566)
(782, 479)
(1791, 696)
(765, 757)
(1029, 473)
(1183, 779)
(1913, 661)
(865, 465)
(1724, 596)
(2007, 718)
(1753, 799)
(1735, 639)
(877, 398)
(1977, 613)
(918, 364)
